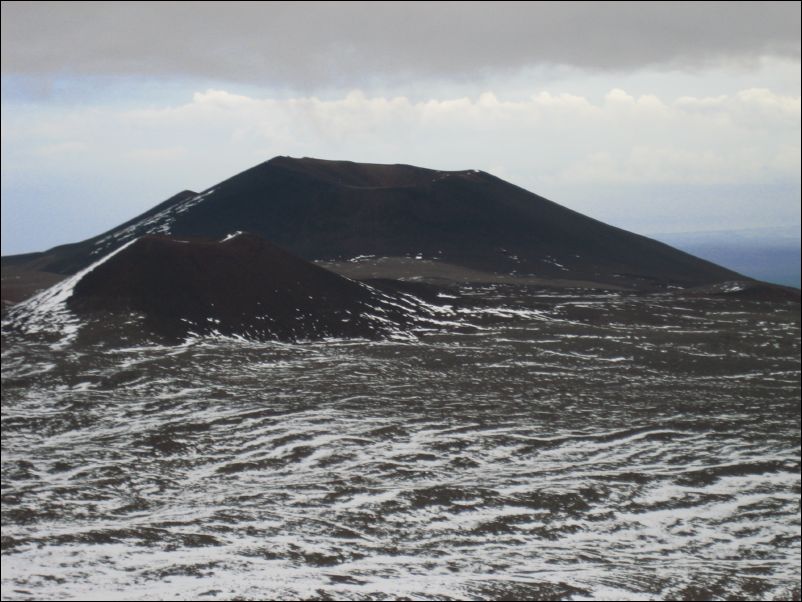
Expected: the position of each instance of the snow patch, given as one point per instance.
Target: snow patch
(230, 236)
(732, 287)
(48, 312)
(159, 223)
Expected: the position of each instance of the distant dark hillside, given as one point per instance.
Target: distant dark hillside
(340, 210)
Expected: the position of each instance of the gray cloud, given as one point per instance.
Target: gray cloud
(330, 43)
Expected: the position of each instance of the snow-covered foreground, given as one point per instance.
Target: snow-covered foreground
(587, 447)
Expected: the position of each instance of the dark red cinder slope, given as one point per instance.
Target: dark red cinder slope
(244, 285)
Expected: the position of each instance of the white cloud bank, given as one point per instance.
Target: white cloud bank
(571, 148)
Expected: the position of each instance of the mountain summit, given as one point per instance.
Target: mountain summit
(339, 210)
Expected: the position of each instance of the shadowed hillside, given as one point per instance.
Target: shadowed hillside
(338, 210)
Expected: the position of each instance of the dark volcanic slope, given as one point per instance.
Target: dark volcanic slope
(339, 210)
(242, 285)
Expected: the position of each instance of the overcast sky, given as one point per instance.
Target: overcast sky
(653, 117)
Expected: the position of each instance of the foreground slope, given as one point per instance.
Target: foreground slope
(338, 210)
(240, 285)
